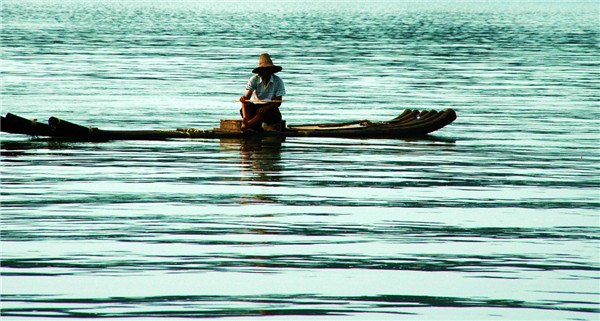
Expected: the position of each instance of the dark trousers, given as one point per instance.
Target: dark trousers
(272, 116)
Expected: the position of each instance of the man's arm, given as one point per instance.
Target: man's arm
(247, 96)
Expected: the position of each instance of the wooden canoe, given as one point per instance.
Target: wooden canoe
(410, 123)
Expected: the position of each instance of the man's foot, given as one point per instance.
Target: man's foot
(245, 128)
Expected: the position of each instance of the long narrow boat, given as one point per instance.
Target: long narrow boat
(410, 123)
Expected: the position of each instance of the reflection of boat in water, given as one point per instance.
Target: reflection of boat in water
(410, 123)
(261, 156)
(260, 164)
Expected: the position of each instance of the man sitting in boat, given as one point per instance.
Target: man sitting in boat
(263, 97)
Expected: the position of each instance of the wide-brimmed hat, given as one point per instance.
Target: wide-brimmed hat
(266, 62)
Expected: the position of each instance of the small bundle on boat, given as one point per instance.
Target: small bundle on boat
(410, 123)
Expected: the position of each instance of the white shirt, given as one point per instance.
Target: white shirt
(269, 91)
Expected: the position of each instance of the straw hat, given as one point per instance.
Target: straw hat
(266, 62)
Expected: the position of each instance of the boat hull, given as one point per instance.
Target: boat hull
(409, 124)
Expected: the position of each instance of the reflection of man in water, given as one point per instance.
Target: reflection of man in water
(261, 156)
(264, 158)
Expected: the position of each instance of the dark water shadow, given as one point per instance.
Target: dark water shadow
(296, 305)
(17, 147)
(430, 138)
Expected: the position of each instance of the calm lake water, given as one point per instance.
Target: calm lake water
(494, 217)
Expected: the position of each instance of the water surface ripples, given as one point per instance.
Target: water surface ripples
(493, 217)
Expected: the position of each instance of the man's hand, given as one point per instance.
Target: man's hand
(243, 99)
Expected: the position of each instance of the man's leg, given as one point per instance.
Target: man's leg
(248, 112)
(255, 121)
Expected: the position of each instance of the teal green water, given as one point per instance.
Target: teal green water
(494, 217)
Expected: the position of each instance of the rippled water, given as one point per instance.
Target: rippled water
(493, 217)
